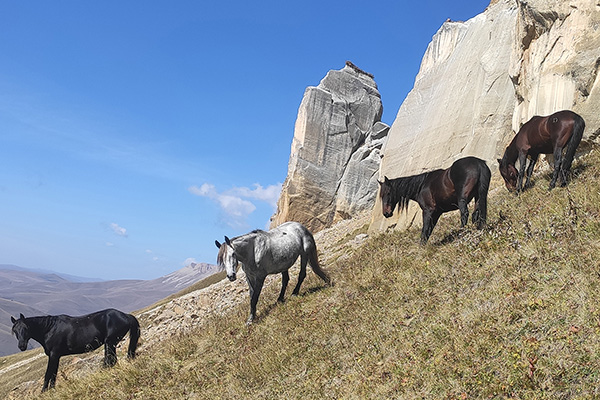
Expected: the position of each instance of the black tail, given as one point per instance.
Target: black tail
(485, 175)
(134, 335)
(578, 128)
(313, 260)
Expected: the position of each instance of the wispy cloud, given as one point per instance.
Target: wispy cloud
(235, 203)
(118, 230)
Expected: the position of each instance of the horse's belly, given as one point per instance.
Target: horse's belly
(89, 345)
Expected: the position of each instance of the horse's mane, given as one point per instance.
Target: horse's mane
(407, 188)
(44, 322)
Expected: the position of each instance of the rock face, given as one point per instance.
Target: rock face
(335, 154)
(480, 80)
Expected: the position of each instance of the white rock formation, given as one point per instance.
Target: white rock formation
(481, 79)
(335, 154)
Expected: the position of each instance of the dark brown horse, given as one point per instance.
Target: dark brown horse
(542, 135)
(441, 191)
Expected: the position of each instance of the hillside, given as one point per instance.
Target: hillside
(507, 312)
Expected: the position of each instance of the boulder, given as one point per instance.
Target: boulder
(335, 152)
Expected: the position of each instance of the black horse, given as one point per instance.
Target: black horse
(61, 335)
(440, 191)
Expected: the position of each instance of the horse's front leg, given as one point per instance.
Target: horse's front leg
(430, 219)
(522, 162)
(256, 284)
(285, 278)
(51, 371)
(534, 159)
(557, 166)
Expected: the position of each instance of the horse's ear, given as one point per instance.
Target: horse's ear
(217, 244)
(227, 241)
(386, 179)
(499, 161)
(12, 319)
(22, 316)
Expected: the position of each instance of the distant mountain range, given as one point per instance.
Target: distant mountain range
(39, 292)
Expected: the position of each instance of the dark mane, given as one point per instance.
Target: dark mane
(407, 188)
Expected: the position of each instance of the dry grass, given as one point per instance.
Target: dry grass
(508, 312)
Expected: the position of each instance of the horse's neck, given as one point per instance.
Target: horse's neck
(39, 326)
(244, 247)
(409, 187)
(511, 153)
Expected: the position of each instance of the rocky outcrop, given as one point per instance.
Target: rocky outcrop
(335, 153)
(480, 80)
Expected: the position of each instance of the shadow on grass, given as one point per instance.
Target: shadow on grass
(266, 310)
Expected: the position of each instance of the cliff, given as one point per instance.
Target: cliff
(481, 79)
(335, 152)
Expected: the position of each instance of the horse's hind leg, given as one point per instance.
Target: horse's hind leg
(557, 166)
(285, 278)
(301, 275)
(110, 354)
(464, 212)
(476, 212)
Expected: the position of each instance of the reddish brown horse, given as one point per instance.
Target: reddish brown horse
(542, 135)
(441, 191)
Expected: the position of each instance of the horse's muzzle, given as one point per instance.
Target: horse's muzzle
(22, 346)
(388, 214)
(231, 277)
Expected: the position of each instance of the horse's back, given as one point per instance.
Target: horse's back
(468, 168)
(291, 230)
(279, 248)
(542, 133)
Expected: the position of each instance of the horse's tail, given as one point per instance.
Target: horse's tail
(578, 128)
(313, 259)
(134, 335)
(485, 175)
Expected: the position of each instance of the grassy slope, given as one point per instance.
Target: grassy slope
(508, 312)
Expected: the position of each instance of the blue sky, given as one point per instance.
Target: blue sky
(135, 133)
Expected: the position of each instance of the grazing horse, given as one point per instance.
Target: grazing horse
(263, 253)
(440, 191)
(542, 135)
(61, 335)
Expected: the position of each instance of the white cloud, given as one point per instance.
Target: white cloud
(118, 230)
(270, 194)
(234, 203)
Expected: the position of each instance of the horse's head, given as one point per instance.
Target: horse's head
(226, 259)
(509, 173)
(388, 203)
(21, 331)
